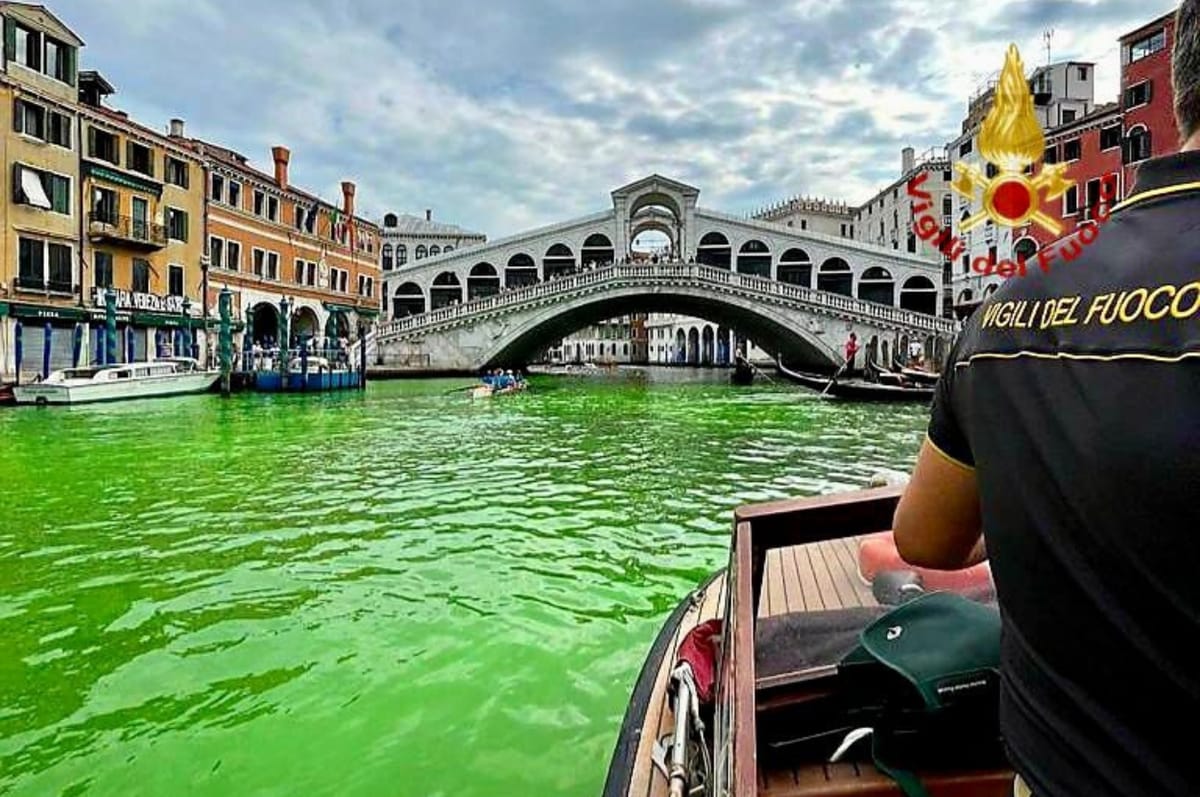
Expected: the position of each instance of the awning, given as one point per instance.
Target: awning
(160, 320)
(365, 312)
(31, 187)
(334, 307)
(3, 309)
(117, 178)
(42, 311)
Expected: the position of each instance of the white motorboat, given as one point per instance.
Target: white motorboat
(167, 377)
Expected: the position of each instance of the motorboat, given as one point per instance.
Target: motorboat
(171, 376)
(745, 690)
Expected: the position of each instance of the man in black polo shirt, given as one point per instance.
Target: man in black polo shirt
(1066, 427)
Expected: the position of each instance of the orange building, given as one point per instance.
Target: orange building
(274, 246)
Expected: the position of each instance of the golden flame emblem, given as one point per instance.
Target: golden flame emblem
(1011, 140)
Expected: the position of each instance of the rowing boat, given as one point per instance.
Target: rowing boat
(792, 571)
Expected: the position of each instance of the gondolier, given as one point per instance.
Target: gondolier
(1072, 441)
(851, 350)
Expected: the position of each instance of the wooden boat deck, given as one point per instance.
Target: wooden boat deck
(814, 577)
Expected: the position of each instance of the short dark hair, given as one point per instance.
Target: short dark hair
(1185, 67)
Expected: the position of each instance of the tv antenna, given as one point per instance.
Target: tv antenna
(1047, 35)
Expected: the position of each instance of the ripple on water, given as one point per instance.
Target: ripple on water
(396, 592)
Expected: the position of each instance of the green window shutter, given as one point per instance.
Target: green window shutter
(35, 44)
(69, 56)
(166, 168)
(10, 39)
(183, 225)
(129, 154)
(18, 117)
(91, 141)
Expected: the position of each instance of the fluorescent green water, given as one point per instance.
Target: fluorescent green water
(396, 593)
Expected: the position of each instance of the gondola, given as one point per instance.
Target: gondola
(917, 375)
(743, 372)
(767, 627)
(858, 389)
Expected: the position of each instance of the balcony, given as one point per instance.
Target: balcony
(40, 285)
(134, 233)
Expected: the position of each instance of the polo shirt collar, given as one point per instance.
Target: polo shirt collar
(1168, 171)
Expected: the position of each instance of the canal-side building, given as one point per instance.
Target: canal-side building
(406, 239)
(143, 194)
(1063, 92)
(887, 219)
(1147, 94)
(40, 275)
(269, 241)
(811, 214)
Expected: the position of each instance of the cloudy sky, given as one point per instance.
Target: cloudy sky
(507, 114)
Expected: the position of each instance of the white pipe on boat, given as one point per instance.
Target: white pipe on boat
(679, 744)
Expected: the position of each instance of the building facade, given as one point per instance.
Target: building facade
(812, 215)
(406, 239)
(887, 218)
(278, 248)
(1147, 94)
(1063, 93)
(41, 285)
(143, 229)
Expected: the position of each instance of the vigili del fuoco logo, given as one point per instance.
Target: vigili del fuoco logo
(1012, 141)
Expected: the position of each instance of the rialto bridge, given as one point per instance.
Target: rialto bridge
(799, 292)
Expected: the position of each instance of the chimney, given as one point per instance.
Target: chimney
(348, 198)
(281, 155)
(907, 160)
(176, 128)
(428, 214)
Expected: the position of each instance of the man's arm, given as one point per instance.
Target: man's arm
(937, 523)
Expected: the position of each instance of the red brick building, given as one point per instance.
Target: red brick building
(1147, 98)
(1091, 148)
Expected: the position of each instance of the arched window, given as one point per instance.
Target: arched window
(435, 250)
(408, 299)
(448, 250)
(421, 252)
(1026, 248)
(795, 268)
(919, 294)
(876, 285)
(401, 255)
(389, 220)
(754, 258)
(1139, 144)
(387, 257)
(714, 250)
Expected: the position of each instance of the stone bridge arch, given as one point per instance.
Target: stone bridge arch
(797, 341)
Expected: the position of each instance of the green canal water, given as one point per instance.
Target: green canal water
(393, 593)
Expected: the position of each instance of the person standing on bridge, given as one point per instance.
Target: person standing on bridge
(1071, 450)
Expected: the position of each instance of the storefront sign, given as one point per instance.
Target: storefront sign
(145, 302)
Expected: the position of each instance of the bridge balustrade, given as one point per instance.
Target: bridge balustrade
(667, 272)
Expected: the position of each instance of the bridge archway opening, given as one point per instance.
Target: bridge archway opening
(520, 271)
(305, 322)
(652, 243)
(264, 322)
(835, 276)
(559, 261)
(408, 299)
(483, 281)
(657, 201)
(795, 268)
(795, 338)
(754, 259)
(714, 250)
(877, 285)
(445, 291)
(597, 249)
(919, 294)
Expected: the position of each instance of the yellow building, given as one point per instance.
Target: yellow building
(143, 212)
(40, 275)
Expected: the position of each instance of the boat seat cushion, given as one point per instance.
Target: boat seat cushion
(799, 641)
(877, 554)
